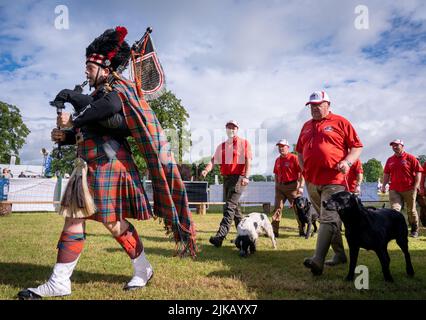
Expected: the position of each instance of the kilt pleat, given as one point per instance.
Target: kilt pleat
(115, 184)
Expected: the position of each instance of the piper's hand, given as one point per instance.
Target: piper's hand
(64, 120)
(343, 166)
(57, 135)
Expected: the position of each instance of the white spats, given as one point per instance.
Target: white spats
(59, 283)
(142, 273)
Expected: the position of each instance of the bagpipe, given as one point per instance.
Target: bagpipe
(148, 75)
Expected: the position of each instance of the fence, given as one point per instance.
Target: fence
(41, 194)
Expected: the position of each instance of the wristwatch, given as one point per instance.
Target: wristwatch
(349, 163)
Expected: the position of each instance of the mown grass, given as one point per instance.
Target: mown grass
(27, 254)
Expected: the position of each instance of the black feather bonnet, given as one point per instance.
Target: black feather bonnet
(109, 50)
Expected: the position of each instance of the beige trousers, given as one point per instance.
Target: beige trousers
(284, 192)
(321, 193)
(329, 232)
(397, 199)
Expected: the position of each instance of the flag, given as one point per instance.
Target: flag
(147, 71)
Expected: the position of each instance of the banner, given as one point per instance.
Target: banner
(148, 72)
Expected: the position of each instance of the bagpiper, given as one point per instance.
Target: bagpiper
(106, 185)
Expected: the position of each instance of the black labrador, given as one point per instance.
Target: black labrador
(371, 229)
(307, 216)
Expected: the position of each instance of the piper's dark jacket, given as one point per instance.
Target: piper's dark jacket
(102, 117)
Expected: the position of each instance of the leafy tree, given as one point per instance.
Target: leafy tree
(66, 163)
(257, 177)
(200, 165)
(422, 158)
(13, 132)
(173, 117)
(373, 170)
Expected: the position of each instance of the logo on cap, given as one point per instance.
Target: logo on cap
(314, 96)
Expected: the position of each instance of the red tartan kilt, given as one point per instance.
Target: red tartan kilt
(115, 184)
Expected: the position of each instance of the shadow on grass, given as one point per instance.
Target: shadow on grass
(24, 275)
(280, 274)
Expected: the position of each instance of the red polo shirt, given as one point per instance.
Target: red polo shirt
(422, 182)
(323, 144)
(402, 171)
(232, 156)
(287, 168)
(355, 169)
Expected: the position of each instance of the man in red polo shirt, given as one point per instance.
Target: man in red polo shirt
(288, 183)
(234, 157)
(404, 171)
(327, 147)
(355, 176)
(421, 197)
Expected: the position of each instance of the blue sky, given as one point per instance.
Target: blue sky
(253, 61)
(404, 35)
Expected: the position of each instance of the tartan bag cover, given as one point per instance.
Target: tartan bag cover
(170, 198)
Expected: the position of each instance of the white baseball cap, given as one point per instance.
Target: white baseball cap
(397, 141)
(283, 142)
(234, 122)
(318, 97)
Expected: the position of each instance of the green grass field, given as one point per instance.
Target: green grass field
(27, 254)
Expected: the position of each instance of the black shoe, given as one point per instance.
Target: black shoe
(414, 234)
(414, 231)
(28, 295)
(316, 270)
(216, 241)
